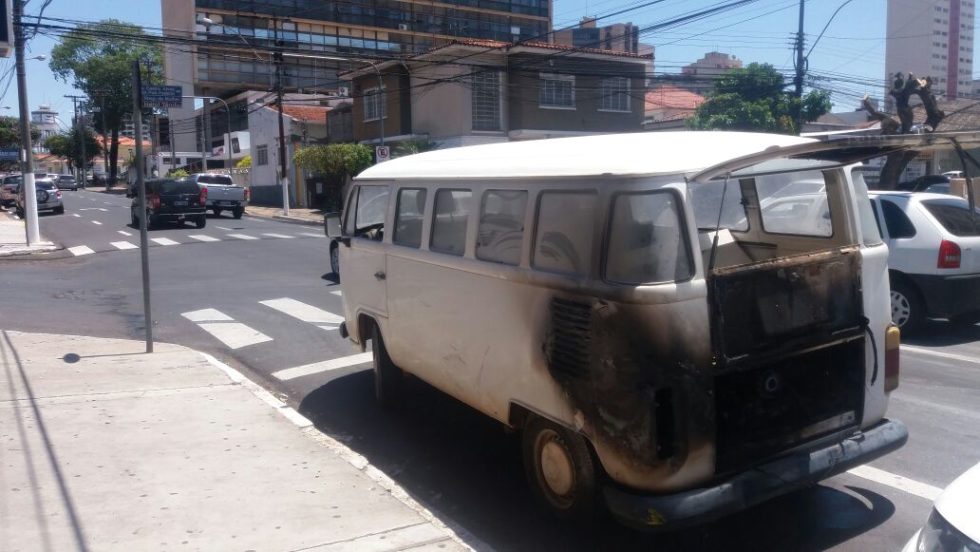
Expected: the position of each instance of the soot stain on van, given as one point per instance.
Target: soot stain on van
(640, 377)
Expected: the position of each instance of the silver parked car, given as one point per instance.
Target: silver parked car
(9, 187)
(48, 198)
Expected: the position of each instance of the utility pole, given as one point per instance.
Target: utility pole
(141, 191)
(80, 123)
(33, 232)
(800, 71)
(277, 58)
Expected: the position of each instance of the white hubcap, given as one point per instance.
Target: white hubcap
(556, 467)
(901, 310)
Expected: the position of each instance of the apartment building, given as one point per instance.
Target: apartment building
(618, 37)
(931, 38)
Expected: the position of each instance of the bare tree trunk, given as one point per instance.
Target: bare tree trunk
(892, 170)
(903, 89)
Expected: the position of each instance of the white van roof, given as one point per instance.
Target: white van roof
(640, 153)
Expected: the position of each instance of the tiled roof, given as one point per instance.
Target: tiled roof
(672, 97)
(309, 113)
(124, 142)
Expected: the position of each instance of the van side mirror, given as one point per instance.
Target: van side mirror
(331, 225)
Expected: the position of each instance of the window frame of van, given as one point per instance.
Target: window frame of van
(597, 195)
(683, 226)
(398, 189)
(468, 247)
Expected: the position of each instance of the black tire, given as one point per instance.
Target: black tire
(201, 221)
(238, 212)
(387, 377)
(335, 260)
(560, 470)
(19, 212)
(966, 319)
(908, 309)
(151, 222)
(217, 212)
(59, 210)
(134, 220)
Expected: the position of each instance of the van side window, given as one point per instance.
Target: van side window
(564, 233)
(647, 243)
(370, 208)
(898, 224)
(408, 217)
(501, 230)
(451, 213)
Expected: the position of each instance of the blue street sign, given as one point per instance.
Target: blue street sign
(161, 96)
(9, 154)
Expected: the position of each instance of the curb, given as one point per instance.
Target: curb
(290, 220)
(359, 462)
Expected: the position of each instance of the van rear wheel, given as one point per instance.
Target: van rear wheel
(559, 469)
(387, 376)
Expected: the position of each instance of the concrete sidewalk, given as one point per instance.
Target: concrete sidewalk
(13, 239)
(299, 215)
(105, 447)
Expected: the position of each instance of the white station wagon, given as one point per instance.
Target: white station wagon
(669, 350)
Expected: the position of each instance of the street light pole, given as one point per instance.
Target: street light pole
(277, 58)
(80, 125)
(33, 232)
(227, 111)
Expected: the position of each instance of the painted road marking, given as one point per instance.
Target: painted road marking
(203, 238)
(338, 293)
(234, 334)
(207, 315)
(96, 222)
(282, 236)
(304, 312)
(80, 250)
(242, 236)
(950, 356)
(888, 479)
(310, 234)
(225, 228)
(94, 209)
(124, 245)
(124, 233)
(164, 241)
(76, 215)
(325, 366)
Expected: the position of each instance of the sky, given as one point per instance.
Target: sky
(852, 49)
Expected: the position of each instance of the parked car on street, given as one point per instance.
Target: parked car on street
(953, 525)
(170, 200)
(48, 197)
(921, 183)
(9, 187)
(67, 182)
(223, 194)
(933, 259)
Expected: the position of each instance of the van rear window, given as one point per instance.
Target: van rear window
(647, 242)
(954, 217)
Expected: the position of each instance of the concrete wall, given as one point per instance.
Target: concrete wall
(397, 119)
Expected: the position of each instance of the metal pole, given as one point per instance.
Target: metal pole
(141, 187)
(32, 231)
(74, 104)
(204, 107)
(81, 138)
(800, 71)
(170, 129)
(282, 133)
(207, 129)
(382, 108)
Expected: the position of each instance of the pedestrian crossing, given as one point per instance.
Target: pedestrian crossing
(80, 250)
(235, 334)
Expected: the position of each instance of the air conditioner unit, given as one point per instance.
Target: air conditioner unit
(403, 26)
(343, 92)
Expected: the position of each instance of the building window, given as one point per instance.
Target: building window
(486, 100)
(262, 155)
(556, 91)
(374, 104)
(615, 94)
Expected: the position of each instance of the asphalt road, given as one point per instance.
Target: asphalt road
(266, 305)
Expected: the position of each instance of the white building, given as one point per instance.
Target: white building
(931, 38)
(700, 76)
(46, 121)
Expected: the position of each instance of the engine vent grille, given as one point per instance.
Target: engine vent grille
(568, 350)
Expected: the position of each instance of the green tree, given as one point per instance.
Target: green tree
(10, 132)
(67, 145)
(415, 145)
(97, 58)
(335, 161)
(755, 98)
(244, 162)
(177, 173)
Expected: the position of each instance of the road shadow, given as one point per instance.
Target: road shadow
(332, 277)
(938, 333)
(467, 466)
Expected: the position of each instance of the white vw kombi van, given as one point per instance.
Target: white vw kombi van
(681, 324)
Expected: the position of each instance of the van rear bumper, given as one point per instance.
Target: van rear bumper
(779, 476)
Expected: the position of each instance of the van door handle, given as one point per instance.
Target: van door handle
(379, 275)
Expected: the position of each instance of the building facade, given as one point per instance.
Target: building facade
(930, 39)
(699, 77)
(45, 120)
(239, 34)
(618, 37)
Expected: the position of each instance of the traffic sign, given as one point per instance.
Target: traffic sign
(161, 96)
(382, 153)
(9, 154)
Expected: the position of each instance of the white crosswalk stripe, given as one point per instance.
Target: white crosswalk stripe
(124, 245)
(207, 315)
(325, 366)
(304, 312)
(224, 228)
(96, 222)
(280, 236)
(124, 233)
(338, 293)
(310, 235)
(76, 215)
(164, 241)
(203, 238)
(80, 250)
(242, 237)
(222, 327)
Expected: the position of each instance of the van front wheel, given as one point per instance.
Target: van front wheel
(387, 376)
(559, 469)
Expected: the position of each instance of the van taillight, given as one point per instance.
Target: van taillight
(949, 255)
(892, 342)
(248, 194)
(203, 198)
(154, 201)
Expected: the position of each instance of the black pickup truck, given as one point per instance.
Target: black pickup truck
(172, 201)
